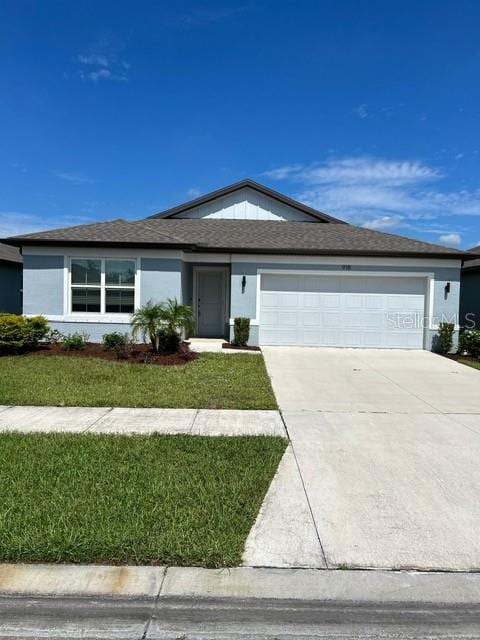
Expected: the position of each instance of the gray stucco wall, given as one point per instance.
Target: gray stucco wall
(470, 299)
(445, 306)
(10, 287)
(187, 283)
(94, 330)
(43, 284)
(161, 278)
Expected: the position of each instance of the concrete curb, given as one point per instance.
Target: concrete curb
(239, 582)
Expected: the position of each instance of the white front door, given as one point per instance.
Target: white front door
(342, 311)
(210, 302)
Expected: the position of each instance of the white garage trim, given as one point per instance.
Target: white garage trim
(427, 276)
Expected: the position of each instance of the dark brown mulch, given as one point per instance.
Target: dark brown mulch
(458, 356)
(229, 345)
(140, 354)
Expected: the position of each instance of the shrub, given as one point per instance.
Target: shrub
(445, 336)
(75, 341)
(241, 331)
(20, 332)
(54, 336)
(469, 342)
(38, 328)
(120, 343)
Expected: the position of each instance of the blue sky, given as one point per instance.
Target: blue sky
(367, 110)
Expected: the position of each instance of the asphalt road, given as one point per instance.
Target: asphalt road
(182, 618)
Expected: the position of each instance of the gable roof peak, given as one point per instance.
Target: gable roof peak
(319, 216)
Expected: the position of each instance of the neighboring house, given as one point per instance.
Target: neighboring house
(302, 276)
(470, 292)
(10, 279)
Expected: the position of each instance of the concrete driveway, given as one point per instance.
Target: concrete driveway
(387, 445)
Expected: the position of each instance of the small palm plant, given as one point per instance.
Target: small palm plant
(177, 318)
(147, 321)
(163, 324)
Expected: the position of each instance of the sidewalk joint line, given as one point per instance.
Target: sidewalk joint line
(155, 605)
(90, 426)
(324, 556)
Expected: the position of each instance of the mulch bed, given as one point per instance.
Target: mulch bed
(229, 345)
(140, 354)
(457, 356)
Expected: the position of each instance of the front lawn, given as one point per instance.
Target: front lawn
(212, 381)
(470, 362)
(179, 500)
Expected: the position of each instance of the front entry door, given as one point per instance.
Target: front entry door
(211, 303)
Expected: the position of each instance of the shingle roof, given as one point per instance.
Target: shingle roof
(10, 254)
(241, 236)
(475, 263)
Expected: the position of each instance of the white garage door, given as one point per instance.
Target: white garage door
(342, 311)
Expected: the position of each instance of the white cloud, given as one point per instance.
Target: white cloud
(379, 193)
(14, 223)
(96, 59)
(361, 111)
(102, 66)
(100, 73)
(194, 192)
(384, 222)
(73, 177)
(454, 239)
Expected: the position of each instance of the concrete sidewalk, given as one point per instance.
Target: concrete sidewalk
(241, 582)
(200, 422)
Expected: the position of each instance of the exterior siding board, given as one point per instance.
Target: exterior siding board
(246, 204)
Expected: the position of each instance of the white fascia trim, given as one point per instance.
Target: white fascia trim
(348, 260)
(429, 292)
(103, 252)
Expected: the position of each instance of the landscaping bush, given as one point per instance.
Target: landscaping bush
(75, 341)
(54, 336)
(469, 342)
(120, 343)
(241, 331)
(445, 336)
(38, 328)
(20, 332)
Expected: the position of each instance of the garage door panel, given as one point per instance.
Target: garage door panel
(330, 301)
(332, 310)
(288, 318)
(311, 318)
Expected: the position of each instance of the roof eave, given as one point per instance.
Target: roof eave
(240, 250)
(94, 243)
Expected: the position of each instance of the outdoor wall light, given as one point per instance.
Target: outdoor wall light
(244, 283)
(447, 288)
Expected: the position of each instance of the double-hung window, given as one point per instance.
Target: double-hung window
(102, 285)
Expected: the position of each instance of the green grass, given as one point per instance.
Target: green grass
(470, 363)
(179, 500)
(213, 381)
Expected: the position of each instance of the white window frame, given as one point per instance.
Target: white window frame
(102, 316)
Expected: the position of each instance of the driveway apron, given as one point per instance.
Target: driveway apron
(387, 443)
